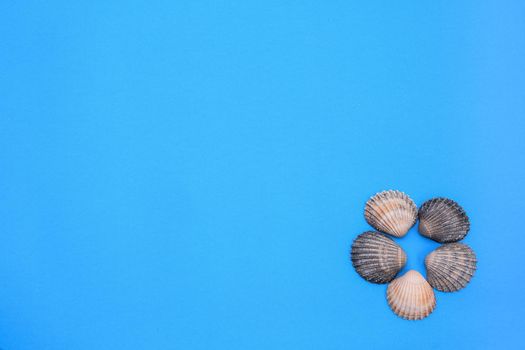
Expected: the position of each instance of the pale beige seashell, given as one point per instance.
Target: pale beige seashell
(391, 212)
(376, 257)
(411, 296)
(450, 267)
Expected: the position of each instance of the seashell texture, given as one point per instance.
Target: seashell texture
(410, 296)
(391, 212)
(450, 267)
(376, 257)
(443, 220)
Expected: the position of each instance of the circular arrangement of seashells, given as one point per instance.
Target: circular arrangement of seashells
(378, 259)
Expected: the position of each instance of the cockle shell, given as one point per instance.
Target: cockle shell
(443, 220)
(391, 212)
(410, 296)
(376, 257)
(450, 267)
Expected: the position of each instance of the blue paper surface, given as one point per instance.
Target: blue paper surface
(191, 174)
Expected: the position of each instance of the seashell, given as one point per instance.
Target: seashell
(410, 296)
(391, 212)
(376, 257)
(450, 267)
(443, 220)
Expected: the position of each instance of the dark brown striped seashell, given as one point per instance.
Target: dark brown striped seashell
(376, 257)
(450, 267)
(443, 220)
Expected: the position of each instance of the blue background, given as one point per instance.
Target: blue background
(191, 174)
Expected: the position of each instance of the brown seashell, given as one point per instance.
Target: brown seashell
(376, 257)
(443, 220)
(450, 267)
(410, 296)
(391, 212)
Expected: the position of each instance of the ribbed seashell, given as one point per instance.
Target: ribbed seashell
(391, 212)
(450, 267)
(410, 296)
(376, 257)
(443, 220)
